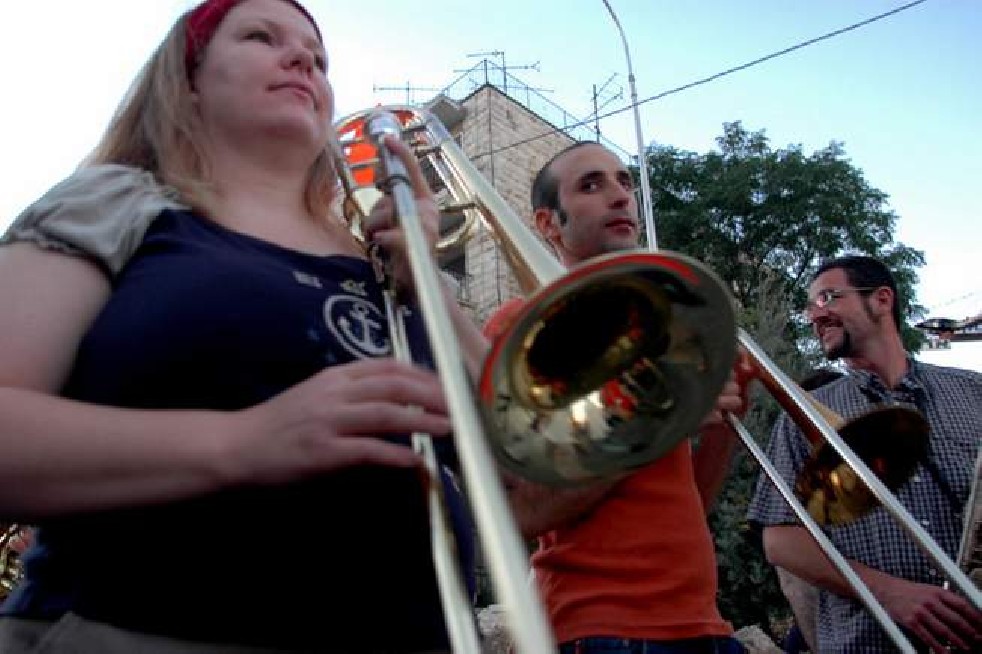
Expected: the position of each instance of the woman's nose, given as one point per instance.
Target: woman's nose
(300, 57)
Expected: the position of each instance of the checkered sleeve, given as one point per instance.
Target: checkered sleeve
(788, 450)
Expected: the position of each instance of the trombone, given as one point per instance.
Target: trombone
(360, 135)
(608, 366)
(811, 417)
(555, 419)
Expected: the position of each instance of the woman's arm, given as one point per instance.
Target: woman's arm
(62, 456)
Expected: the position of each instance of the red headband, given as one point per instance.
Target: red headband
(205, 19)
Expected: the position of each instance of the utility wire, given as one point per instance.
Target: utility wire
(955, 300)
(714, 77)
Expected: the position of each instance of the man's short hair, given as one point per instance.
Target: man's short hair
(866, 272)
(545, 187)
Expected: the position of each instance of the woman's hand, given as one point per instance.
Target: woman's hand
(333, 420)
(382, 227)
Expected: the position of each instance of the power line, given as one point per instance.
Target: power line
(955, 300)
(716, 76)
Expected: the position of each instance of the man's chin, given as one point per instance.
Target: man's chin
(838, 350)
(620, 244)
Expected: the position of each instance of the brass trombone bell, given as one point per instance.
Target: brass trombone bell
(609, 367)
(891, 441)
(359, 183)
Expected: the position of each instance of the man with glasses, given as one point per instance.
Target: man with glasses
(854, 310)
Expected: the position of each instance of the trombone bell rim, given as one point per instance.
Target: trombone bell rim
(636, 400)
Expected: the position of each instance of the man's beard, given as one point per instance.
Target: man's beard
(843, 349)
(846, 349)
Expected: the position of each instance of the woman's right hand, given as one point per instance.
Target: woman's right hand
(334, 419)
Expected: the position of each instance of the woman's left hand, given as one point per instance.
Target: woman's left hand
(382, 226)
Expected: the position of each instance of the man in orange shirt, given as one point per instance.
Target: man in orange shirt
(624, 565)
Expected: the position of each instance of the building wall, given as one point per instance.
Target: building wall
(492, 121)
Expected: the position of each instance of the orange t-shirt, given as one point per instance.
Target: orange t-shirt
(641, 565)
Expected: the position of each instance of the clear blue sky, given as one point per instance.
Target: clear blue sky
(903, 94)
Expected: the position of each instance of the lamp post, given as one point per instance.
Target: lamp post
(647, 209)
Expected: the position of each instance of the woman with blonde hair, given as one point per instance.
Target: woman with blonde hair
(196, 404)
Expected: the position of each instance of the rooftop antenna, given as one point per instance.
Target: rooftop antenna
(504, 67)
(408, 88)
(598, 105)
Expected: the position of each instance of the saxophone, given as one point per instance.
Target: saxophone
(970, 548)
(13, 540)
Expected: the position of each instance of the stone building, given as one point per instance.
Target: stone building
(508, 130)
(507, 141)
(486, 124)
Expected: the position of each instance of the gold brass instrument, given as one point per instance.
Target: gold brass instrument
(970, 548)
(355, 162)
(861, 491)
(654, 347)
(360, 149)
(641, 323)
(891, 440)
(371, 129)
(608, 366)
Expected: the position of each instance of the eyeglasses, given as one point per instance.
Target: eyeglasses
(827, 297)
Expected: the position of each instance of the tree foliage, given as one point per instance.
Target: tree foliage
(754, 214)
(764, 220)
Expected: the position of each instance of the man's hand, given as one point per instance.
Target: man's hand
(718, 442)
(937, 616)
(733, 398)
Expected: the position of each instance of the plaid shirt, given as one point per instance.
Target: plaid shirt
(951, 400)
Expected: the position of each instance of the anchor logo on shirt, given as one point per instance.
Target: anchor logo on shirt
(358, 325)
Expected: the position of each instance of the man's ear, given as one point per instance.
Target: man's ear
(547, 224)
(883, 297)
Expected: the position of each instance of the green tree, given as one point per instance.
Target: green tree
(752, 212)
(764, 219)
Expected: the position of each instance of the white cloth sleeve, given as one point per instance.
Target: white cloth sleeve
(100, 212)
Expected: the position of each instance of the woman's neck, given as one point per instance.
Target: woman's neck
(264, 196)
(250, 174)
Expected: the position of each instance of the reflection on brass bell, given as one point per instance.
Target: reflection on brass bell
(890, 440)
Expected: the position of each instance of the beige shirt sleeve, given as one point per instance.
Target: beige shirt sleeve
(100, 212)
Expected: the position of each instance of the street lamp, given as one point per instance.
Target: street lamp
(647, 210)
